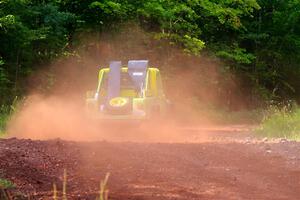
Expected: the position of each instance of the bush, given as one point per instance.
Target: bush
(4, 117)
(281, 123)
(6, 112)
(6, 184)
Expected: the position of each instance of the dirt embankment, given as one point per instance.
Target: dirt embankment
(243, 169)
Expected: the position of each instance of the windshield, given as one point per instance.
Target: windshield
(127, 86)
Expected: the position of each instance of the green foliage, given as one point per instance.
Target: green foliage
(191, 45)
(31, 34)
(4, 117)
(236, 55)
(6, 184)
(257, 40)
(273, 37)
(6, 111)
(282, 123)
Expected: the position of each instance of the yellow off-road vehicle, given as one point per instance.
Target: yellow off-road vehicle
(132, 92)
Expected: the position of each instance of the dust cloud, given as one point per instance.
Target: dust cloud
(48, 118)
(52, 117)
(54, 107)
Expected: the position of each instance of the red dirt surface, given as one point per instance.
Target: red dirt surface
(230, 168)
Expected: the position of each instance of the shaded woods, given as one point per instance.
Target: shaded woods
(243, 50)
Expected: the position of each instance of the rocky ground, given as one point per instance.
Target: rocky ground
(228, 164)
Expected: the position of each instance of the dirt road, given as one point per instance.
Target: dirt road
(230, 165)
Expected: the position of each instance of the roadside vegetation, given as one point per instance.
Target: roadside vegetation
(4, 117)
(6, 184)
(257, 43)
(257, 40)
(6, 112)
(281, 123)
(103, 191)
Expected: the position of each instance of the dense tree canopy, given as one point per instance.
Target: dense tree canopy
(258, 40)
